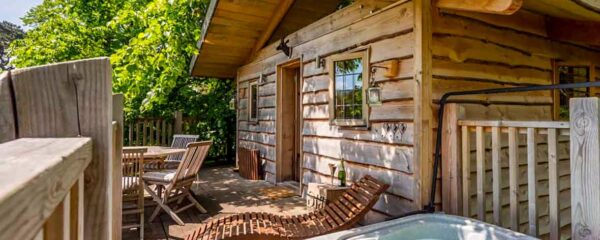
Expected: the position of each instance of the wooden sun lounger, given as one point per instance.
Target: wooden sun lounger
(341, 214)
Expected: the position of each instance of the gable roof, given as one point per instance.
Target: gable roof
(235, 29)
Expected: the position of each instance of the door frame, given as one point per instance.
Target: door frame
(280, 174)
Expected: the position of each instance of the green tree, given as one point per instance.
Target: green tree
(8, 33)
(150, 44)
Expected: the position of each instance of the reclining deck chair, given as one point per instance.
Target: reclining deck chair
(174, 185)
(339, 215)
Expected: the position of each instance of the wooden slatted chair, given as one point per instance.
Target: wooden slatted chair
(175, 185)
(133, 187)
(179, 141)
(339, 215)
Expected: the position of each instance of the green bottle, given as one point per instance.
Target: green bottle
(342, 174)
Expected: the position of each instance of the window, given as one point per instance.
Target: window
(569, 74)
(348, 74)
(253, 102)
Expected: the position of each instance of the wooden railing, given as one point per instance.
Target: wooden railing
(41, 178)
(156, 131)
(42, 188)
(536, 177)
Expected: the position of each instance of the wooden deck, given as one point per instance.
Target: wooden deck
(222, 192)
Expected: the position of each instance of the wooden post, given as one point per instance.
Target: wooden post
(69, 100)
(585, 168)
(178, 128)
(117, 111)
(451, 160)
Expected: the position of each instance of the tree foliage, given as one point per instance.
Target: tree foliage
(150, 44)
(8, 33)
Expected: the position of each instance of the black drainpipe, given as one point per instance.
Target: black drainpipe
(430, 208)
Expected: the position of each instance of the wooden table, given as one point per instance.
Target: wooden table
(319, 195)
(157, 154)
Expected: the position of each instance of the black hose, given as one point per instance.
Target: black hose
(438, 143)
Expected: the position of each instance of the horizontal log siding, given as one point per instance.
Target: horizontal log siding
(477, 51)
(385, 149)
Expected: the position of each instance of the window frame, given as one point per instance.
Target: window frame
(250, 105)
(556, 80)
(364, 56)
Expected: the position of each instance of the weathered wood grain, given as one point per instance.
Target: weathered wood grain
(383, 155)
(7, 116)
(116, 168)
(36, 175)
(401, 184)
(393, 133)
(585, 166)
(68, 100)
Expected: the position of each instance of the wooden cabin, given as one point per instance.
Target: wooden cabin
(321, 81)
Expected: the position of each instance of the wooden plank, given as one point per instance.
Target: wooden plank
(386, 22)
(513, 170)
(585, 166)
(278, 15)
(480, 172)
(503, 7)
(466, 169)
(423, 116)
(401, 184)
(553, 185)
(496, 175)
(516, 124)
(392, 133)
(76, 215)
(27, 168)
(68, 100)
(383, 155)
(116, 167)
(532, 182)
(8, 130)
(94, 78)
(55, 224)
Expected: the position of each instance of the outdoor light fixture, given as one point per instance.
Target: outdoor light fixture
(232, 104)
(261, 79)
(374, 96)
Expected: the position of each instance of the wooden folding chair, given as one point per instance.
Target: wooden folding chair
(175, 185)
(179, 141)
(133, 187)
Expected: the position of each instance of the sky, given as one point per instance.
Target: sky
(12, 10)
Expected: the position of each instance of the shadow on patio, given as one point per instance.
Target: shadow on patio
(222, 192)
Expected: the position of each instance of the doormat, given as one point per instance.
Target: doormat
(277, 192)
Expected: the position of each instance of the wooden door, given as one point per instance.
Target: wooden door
(288, 123)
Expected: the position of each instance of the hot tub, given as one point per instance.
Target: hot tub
(428, 226)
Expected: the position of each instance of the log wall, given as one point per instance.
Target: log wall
(477, 51)
(385, 150)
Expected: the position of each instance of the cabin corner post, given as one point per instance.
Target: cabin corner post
(451, 159)
(585, 166)
(423, 116)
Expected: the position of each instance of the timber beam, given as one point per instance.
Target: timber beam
(278, 15)
(504, 7)
(568, 30)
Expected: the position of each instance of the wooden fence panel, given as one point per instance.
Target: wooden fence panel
(522, 202)
(69, 100)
